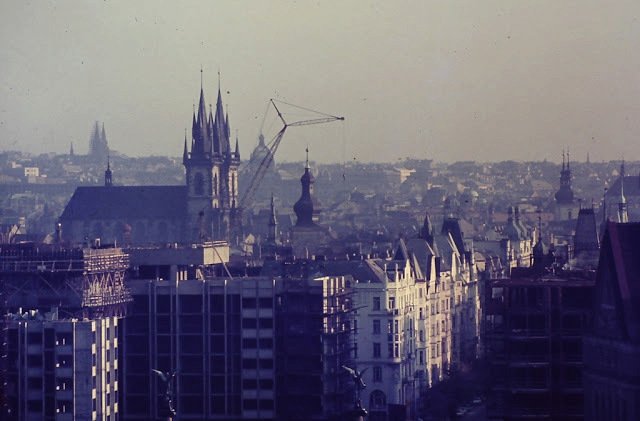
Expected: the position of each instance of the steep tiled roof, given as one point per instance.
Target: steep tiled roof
(126, 202)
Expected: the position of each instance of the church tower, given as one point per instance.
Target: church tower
(211, 173)
(303, 208)
(565, 207)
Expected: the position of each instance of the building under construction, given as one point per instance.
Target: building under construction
(260, 347)
(534, 325)
(60, 312)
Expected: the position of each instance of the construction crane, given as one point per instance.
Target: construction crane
(249, 192)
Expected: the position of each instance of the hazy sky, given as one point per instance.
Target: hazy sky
(448, 80)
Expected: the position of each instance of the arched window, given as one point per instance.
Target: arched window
(233, 184)
(215, 184)
(377, 401)
(198, 184)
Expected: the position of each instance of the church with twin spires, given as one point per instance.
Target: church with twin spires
(205, 208)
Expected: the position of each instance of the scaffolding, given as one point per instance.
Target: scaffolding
(314, 336)
(86, 283)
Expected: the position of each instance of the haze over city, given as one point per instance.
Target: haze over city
(487, 81)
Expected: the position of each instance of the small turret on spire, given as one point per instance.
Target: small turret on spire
(237, 152)
(185, 153)
(306, 164)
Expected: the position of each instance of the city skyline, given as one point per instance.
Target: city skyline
(483, 82)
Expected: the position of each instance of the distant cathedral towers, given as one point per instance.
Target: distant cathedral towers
(98, 146)
(211, 174)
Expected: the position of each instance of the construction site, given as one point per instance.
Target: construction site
(534, 328)
(60, 310)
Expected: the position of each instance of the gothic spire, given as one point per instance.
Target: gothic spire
(219, 127)
(103, 138)
(426, 232)
(185, 153)
(226, 123)
(622, 203)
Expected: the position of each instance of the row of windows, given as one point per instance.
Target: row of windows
(261, 302)
(263, 384)
(261, 343)
(254, 404)
(190, 303)
(252, 363)
(261, 323)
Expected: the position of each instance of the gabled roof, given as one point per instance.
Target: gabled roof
(127, 202)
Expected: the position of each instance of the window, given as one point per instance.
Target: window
(198, 184)
(265, 383)
(248, 303)
(250, 404)
(266, 323)
(33, 338)
(249, 363)
(265, 363)
(421, 335)
(377, 401)
(265, 302)
(249, 343)
(392, 303)
(265, 343)
(376, 303)
(376, 350)
(249, 323)
(249, 384)
(376, 327)
(421, 357)
(377, 374)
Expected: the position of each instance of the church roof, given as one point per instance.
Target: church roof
(126, 202)
(631, 188)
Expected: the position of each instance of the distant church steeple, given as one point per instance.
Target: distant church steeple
(564, 195)
(108, 175)
(623, 216)
(304, 206)
(426, 232)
